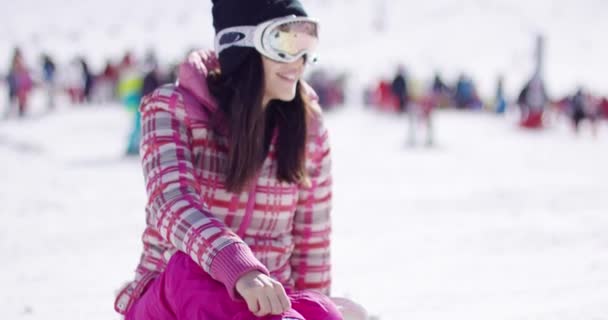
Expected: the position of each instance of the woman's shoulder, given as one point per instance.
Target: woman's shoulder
(178, 102)
(164, 98)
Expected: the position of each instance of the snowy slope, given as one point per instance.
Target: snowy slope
(493, 223)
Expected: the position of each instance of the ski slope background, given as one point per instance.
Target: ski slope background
(492, 223)
(481, 38)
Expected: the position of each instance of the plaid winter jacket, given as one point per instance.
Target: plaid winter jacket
(278, 228)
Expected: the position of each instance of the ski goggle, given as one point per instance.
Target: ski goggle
(284, 39)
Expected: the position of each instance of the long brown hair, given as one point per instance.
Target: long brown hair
(251, 126)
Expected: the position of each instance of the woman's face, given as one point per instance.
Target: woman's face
(280, 79)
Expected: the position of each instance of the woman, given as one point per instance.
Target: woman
(237, 168)
(19, 83)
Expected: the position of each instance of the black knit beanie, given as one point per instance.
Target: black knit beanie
(232, 13)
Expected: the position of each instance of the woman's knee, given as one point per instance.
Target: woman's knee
(314, 305)
(349, 309)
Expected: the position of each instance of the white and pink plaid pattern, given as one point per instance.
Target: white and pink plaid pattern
(287, 234)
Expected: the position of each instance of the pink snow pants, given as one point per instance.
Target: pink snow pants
(184, 291)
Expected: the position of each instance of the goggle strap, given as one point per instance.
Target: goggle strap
(241, 36)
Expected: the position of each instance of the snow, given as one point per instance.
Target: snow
(492, 223)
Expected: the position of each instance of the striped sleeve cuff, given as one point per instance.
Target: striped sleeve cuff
(233, 262)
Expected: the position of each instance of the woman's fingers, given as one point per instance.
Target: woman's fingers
(275, 304)
(283, 298)
(263, 294)
(265, 307)
(252, 303)
(197, 59)
(279, 302)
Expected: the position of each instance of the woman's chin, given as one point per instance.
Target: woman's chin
(287, 97)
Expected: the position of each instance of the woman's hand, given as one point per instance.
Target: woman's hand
(263, 294)
(204, 61)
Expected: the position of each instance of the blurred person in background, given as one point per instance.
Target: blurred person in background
(106, 83)
(19, 83)
(500, 103)
(319, 81)
(231, 133)
(582, 107)
(329, 87)
(382, 96)
(127, 62)
(49, 71)
(532, 101)
(441, 93)
(465, 95)
(603, 105)
(74, 80)
(153, 78)
(399, 88)
(172, 73)
(130, 85)
(89, 80)
(11, 85)
(421, 115)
